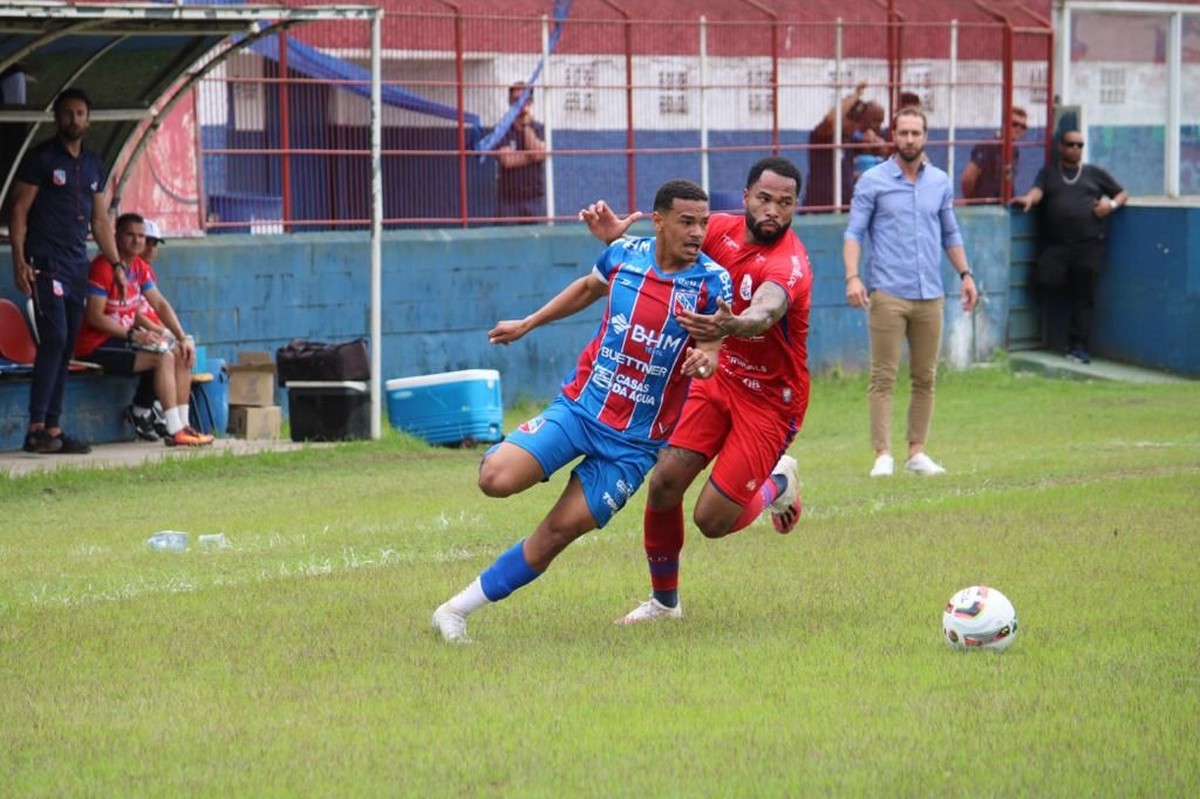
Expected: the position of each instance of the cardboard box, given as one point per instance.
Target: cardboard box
(255, 358)
(248, 421)
(252, 380)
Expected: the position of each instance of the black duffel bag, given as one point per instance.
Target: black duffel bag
(318, 360)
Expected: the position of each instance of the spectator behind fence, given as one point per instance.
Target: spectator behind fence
(874, 148)
(58, 192)
(156, 315)
(111, 338)
(857, 116)
(983, 177)
(521, 190)
(1079, 197)
(906, 207)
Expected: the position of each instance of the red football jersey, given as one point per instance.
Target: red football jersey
(122, 309)
(773, 365)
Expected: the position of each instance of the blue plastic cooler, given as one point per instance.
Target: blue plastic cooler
(461, 407)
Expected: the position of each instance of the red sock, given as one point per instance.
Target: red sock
(662, 532)
(765, 496)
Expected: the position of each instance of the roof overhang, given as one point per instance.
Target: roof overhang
(133, 59)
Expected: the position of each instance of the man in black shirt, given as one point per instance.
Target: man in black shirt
(1078, 199)
(521, 192)
(57, 197)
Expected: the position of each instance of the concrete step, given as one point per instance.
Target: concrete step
(1056, 364)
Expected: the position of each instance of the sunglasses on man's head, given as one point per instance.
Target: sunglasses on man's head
(1078, 144)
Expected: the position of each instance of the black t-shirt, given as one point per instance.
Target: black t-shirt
(61, 214)
(989, 157)
(1068, 196)
(523, 182)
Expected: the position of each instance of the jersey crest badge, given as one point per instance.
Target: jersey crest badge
(686, 300)
(746, 290)
(60, 177)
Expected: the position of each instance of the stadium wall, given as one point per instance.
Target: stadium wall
(443, 289)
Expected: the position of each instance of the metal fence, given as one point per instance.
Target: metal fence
(621, 104)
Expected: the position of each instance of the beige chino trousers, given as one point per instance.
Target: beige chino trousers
(892, 321)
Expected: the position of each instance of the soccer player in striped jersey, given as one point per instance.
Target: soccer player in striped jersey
(749, 415)
(620, 403)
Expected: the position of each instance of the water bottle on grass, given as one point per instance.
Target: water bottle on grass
(213, 541)
(168, 541)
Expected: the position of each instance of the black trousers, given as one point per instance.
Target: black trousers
(58, 313)
(1075, 270)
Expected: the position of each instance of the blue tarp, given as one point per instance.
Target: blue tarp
(309, 61)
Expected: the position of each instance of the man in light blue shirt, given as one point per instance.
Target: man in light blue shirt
(906, 207)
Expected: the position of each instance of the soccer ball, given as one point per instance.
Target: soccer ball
(979, 618)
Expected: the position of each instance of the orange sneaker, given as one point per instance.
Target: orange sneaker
(188, 437)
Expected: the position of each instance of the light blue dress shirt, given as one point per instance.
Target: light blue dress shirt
(908, 224)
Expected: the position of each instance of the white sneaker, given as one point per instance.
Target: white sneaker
(786, 509)
(651, 610)
(885, 466)
(923, 464)
(451, 624)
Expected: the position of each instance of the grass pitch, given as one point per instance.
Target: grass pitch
(298, 661)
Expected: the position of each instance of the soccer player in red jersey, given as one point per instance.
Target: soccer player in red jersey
(748, 415)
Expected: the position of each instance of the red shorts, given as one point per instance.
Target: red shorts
(721, 419)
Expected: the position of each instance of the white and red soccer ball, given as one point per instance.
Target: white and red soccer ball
(979, 617)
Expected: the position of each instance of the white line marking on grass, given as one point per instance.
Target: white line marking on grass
(311, 565)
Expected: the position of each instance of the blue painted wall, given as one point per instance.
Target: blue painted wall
(1148, 300)
(443, 290)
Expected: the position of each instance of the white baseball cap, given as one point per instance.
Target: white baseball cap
(152, 231)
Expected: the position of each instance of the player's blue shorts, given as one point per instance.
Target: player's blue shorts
(613, 467)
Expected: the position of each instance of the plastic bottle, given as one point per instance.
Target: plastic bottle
(168, 540)
(213, 541)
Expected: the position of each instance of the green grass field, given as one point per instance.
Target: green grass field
(299, 661)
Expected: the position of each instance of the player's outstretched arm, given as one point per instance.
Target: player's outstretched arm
(705, 327)
(571, 300)
(767, 306)
(604, 224)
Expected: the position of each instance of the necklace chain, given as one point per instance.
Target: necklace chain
(1071, 181)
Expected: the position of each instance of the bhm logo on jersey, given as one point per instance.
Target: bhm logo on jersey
(642, 335)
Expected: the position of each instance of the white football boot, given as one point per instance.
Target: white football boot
(651, 610)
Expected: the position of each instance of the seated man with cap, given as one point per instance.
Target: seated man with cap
(114, 336)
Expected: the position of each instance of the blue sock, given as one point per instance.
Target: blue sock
(507, 574)
(668, 598)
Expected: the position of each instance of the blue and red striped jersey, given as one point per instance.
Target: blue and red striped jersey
(629, 377)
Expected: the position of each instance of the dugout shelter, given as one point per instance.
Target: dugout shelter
(136, 61)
